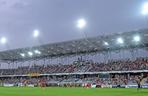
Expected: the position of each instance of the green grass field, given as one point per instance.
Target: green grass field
(70, 92)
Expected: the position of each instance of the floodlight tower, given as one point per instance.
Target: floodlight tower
(136, 42)
(145, 11)
(81, 24)
(37, 36)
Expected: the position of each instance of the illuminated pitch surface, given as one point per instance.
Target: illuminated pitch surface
(70, 92)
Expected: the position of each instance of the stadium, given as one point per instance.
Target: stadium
(115, 64)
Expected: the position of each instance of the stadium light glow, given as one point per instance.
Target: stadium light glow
(3, 40)
(106, 43)
(22, 54)
(145, 9)
(136, 38)
(37, 52)
(81, 23)
(120, 40)
(30, 53)
(36, 33)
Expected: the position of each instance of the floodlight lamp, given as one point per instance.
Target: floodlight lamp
(106, 43)
(3, 40)
(37, 52)
(81, 23)
(22, 54)
(145, 9)
(136, 38)
(30, 53)
(120, 40)
(36, 33)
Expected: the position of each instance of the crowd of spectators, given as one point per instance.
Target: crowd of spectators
(81, 66)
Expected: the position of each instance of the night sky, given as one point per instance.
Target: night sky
(56, 19)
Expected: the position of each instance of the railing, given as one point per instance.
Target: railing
(77, 73)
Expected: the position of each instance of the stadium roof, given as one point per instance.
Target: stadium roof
(100, 43)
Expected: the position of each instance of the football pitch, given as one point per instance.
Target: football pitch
(55, 91)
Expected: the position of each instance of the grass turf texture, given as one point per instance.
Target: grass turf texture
(55, 91)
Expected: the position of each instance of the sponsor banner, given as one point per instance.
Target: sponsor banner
(114, 86)
(136, 86)
(30, 85)
(131, 86)
(106, 86)
(144, 86)
(8, 85)
(123, 86)
(118, 86)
